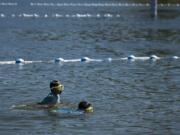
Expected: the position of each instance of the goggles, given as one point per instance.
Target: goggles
(89, 109)
(57, 89)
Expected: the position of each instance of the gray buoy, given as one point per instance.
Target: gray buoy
(57, 60)
(85, 59)
(131, 57)
(19, 61)
(154, 57)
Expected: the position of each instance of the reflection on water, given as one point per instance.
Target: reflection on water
(39, 35)
(163, 35)
(168, 13)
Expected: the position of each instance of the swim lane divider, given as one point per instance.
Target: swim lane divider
(87, 59)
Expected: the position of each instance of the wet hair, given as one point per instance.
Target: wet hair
(54, 83)
(83, 105)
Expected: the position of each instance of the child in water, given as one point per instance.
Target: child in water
(53, 99)
(83, 107)
(54, 96)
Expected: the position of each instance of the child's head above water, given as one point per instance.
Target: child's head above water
(85, 106)
(56, 87)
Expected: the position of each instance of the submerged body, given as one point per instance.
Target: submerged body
(51, 99)
(83, 107)
(62, 111)
(35, 106)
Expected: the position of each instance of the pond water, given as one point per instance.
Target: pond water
(137, 97)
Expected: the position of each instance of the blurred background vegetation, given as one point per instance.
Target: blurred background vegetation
(159, 1)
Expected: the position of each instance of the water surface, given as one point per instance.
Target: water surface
(139, 97)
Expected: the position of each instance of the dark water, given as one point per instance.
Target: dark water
(136, 98)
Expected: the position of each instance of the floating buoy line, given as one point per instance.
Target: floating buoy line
(51, 4)
(8, 4)
(57, 15)
(87, 59)
(74, 15)
(101, 4)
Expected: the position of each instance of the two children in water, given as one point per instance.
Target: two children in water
(53, 98)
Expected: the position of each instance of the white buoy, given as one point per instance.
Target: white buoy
(45, 16)
(175, 57)
(58, 60)
(131, 57)
(19, 61)
(109, 59)
(13, 15)
(2, 15)
(85, 59)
